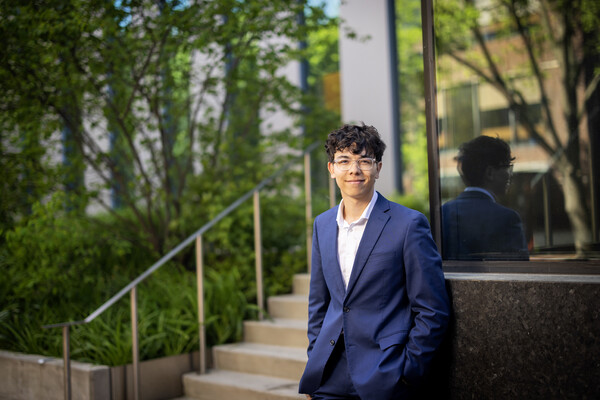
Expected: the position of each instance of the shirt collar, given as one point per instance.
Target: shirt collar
(365, 215)
(482, 190)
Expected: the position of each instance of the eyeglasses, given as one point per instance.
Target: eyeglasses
(508, 166)
(365, 164)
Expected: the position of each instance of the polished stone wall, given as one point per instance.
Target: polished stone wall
(520, 336)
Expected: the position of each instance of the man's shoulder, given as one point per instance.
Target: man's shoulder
(399, 210)
(326, 215)
(469, 203)
(470, 199)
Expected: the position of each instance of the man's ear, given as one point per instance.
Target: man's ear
(378, 169)
(330, 168)
(489, 174)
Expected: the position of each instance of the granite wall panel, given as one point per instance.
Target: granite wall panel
(520, 337)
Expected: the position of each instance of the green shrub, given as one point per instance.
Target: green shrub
(61, 265)
(411, 201)
(167, 319)
(57, 257)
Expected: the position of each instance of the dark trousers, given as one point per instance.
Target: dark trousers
(336, 383)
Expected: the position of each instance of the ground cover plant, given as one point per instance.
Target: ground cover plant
(61, 265)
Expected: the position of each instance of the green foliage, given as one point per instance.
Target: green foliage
(412, 108)
(178, 90)
(226, 307)
(25, 174)
(324, 55)
(188, 138)
(59, 266)
(411, 201)
(53, 249)
(167, 318)
(454, 21)
(229, 246)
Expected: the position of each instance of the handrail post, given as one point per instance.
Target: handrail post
(67, 361)
(258, 256)
(135, 345)
(331, 193)
(200, 294)
(308, 197)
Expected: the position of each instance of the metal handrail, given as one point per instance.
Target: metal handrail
(197, 237)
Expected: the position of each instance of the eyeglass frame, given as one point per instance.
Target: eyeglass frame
(357, 162)
(508, 166)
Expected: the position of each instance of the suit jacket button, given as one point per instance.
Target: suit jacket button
(332, 342)
(346, 309)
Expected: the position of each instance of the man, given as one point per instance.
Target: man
(378, 307)
(474, 225)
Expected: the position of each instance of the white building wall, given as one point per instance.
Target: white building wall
(273, 117)
(365, 77)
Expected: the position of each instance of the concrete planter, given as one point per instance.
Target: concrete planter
(33, 377)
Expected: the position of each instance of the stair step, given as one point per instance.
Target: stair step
(278, 331)
(261, 359)
(229, 385)
(292, 306)
(301, 284)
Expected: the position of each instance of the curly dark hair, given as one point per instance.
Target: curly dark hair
(476, 155)
(355, 138)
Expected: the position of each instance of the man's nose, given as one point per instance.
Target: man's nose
(354, 168)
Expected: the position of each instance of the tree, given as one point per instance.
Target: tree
(412, 116)
(152, 94)
(474, 35)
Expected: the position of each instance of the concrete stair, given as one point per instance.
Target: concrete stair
(268, 364)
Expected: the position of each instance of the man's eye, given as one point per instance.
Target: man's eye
(343, 162)
(365, 163)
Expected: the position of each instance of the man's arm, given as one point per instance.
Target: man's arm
(425, 285)
(318, 300)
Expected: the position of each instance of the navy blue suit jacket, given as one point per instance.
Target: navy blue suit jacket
(476, 227)
(395, 310)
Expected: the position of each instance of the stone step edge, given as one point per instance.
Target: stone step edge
(282, 323)
(290, 297)
(264, 350)
(246, 381)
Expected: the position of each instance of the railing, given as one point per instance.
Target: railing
(196, 237)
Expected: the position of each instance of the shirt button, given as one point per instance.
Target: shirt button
(346, 309)
(332, 342)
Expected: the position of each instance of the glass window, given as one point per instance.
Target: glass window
(518, 115)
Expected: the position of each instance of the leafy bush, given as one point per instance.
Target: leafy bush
(61, 265)
(411, 201)
(56, 256)
(167, 319)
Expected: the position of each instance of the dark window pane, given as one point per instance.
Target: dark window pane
(500, 76)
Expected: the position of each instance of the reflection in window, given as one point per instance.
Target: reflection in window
(525, 72)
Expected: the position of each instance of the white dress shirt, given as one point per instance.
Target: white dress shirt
(349, 237)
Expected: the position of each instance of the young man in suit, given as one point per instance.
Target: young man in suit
(474, 225)
(378, 307)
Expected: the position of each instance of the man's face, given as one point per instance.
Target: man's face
(356, 182)
(499, 178)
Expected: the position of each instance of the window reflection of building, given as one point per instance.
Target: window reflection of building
(469, 105)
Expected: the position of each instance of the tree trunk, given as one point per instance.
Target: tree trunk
(575, 205)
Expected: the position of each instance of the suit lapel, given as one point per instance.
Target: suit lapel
(375, 225)
(329, 252)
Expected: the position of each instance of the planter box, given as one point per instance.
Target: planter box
(33, 377)
(161, 378)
